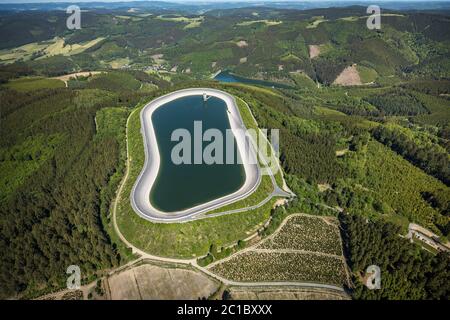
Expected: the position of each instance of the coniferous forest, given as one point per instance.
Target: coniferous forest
(56, 170)
(406, 271)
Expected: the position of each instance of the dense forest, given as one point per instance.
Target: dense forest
(397, 103)
(56, 171)
(407, 272)
(431, 157)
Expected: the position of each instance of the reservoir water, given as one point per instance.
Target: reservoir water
(179, 187)
(226, 76)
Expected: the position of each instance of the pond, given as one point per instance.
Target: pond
(228, 77)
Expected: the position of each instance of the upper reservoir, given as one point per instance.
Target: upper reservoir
(183, 186)
(226, 76)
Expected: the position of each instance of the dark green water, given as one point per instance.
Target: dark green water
(180, 187)
(226, 76)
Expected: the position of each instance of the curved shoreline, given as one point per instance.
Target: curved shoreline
(140, 194)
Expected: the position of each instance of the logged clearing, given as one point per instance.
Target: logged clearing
(242, 44)
(349, 77)
(151, 282)
(314, 51)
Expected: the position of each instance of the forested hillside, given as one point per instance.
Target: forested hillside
(260, 42)
(406, 271)
(56, 170)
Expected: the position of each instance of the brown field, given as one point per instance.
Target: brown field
(151, 282)
(314, 51)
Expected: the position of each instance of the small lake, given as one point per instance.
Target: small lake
(228, 77)
(179, 187)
